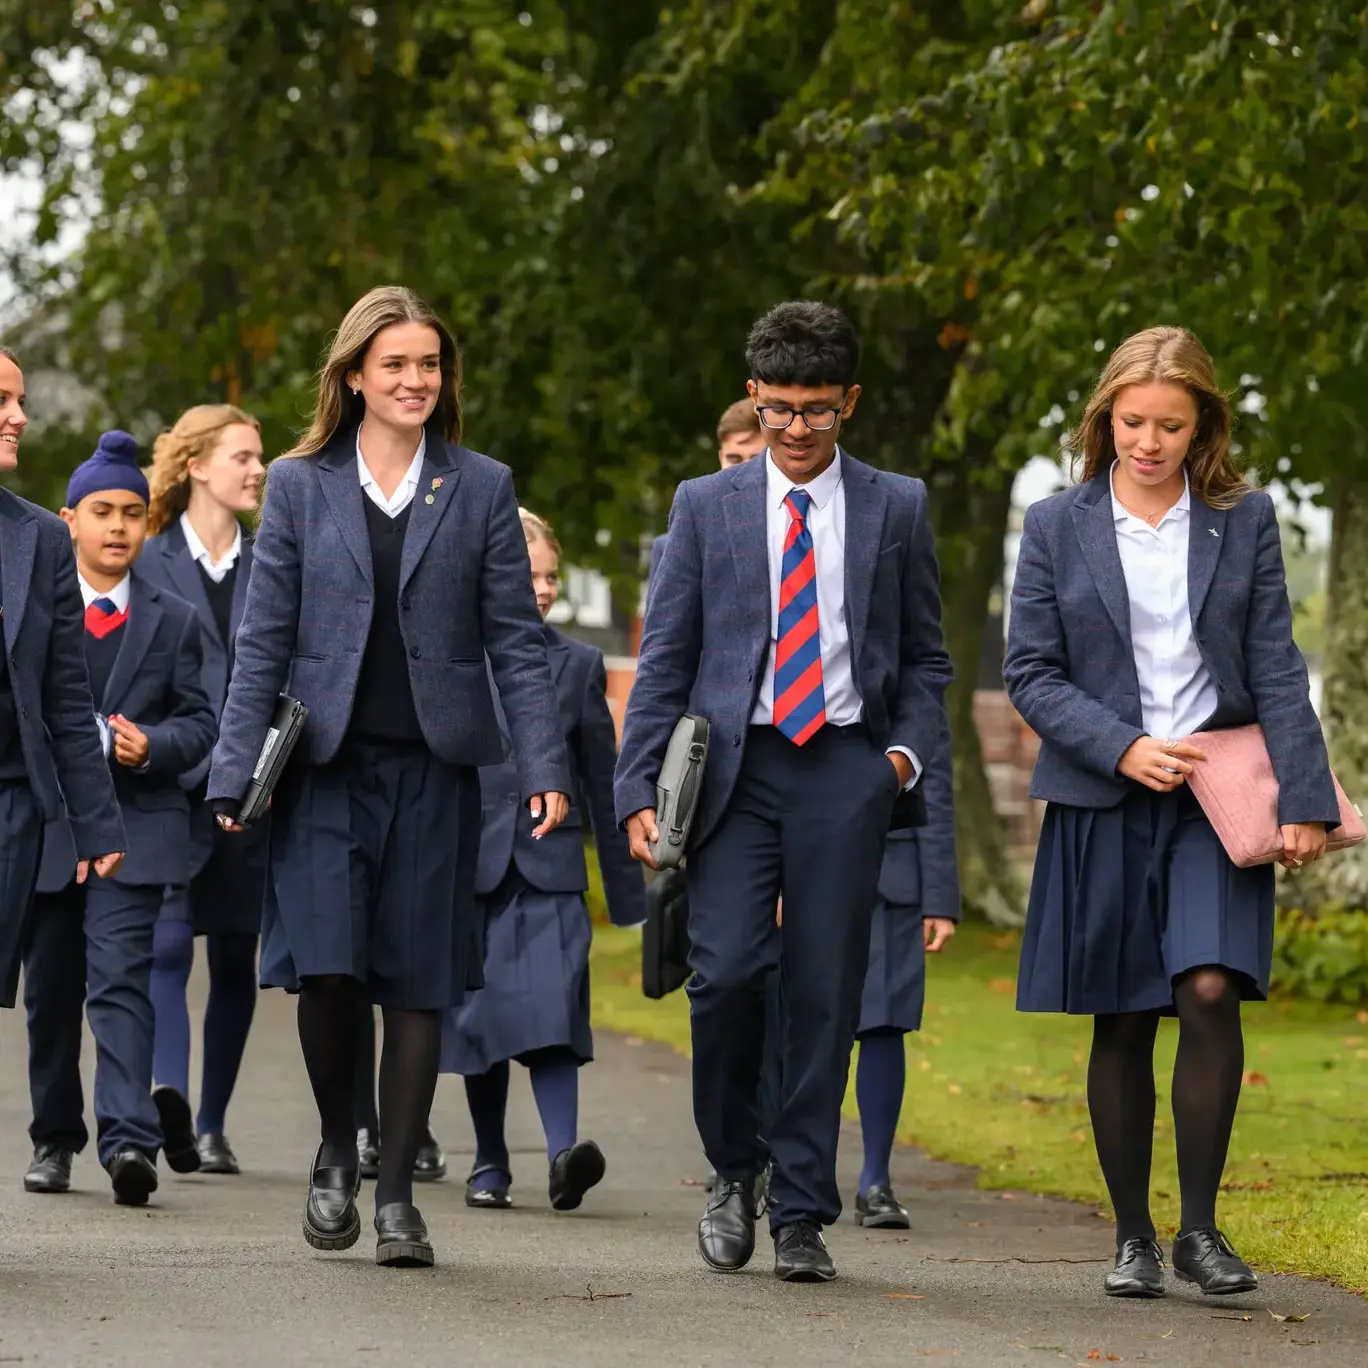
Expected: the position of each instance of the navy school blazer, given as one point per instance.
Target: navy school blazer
(556, 864)
(44, 638)
(155, 682)
(707, 629)
(465, 589)
(920, 864)
(1070, 668)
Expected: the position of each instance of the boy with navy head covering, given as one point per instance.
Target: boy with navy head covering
(49, 747)
(92, 945)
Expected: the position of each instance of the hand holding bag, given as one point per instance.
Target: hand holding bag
(1238, 791)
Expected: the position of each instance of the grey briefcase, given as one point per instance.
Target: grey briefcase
(677, 789)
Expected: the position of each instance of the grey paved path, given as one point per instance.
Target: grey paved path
(216, 1271)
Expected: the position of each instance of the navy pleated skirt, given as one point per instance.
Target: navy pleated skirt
(225, 895)
(536, 982)
(372, 874)
(895, 982)
(1125, 899)
(21, 844)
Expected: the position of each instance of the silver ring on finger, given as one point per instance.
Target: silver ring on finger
(1296, 863)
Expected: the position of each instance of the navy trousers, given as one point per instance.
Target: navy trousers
(92, 944)
(808, 822)
(21, 844)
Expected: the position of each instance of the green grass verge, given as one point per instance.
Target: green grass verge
(1004, 1091)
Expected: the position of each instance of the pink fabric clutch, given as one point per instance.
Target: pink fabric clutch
(1239, 794)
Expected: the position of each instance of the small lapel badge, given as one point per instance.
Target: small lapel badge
(1213, 532)
(429, 499)
(437, 483)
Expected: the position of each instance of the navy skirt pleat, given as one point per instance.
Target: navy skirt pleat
(895, 982)
(21, 845)
(1125, 899)
(536, 982)
(372, 875)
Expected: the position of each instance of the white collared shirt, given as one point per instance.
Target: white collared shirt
(407, 487)
(199, 553)
(1177, 694)
(118, 596)
(826, 521)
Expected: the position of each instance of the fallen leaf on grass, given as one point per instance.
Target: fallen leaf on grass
(1002, 985)
(1255, 1079)
(955, 1090)
(1262, 1185)
(1290, 1320)
(905, 1296)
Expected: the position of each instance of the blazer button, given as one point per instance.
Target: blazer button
(415, 652)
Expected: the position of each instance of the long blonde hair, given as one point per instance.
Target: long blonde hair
(1171, 356)
(336, 405)
(195, 433)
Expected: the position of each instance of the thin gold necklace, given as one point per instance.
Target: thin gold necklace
(1153, 519)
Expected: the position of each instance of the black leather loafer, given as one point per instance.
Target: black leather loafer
(133, 1177)
(430, 1165)
(216, 1154)
(50, 1170)
(368, 1153)
(573, 1172)
(726, 1234)
(877, 1208)
(800, 1254)
(488, 1198)
(178, 1130)
(1139, 1270)
(401, 1238)
(1206, 1257)
(330, 1217)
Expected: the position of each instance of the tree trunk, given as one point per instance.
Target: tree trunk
(971, 503)
(1342, 880)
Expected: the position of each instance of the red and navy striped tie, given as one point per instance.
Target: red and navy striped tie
(799, 699)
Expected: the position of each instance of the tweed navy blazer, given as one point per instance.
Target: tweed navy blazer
(44, 637)
(555, 864)
(920, 864)
(465, 589)
(1070, 668)
(708, 622)
(155, 683)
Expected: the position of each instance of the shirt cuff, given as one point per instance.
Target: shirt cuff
(913, 761)
(104, 734)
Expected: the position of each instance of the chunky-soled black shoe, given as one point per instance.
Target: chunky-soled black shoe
(726, 1234)
(800, 1254)
(50, 1170)
(368, 1153)
(401, 1237)
(1139, 1270)
(330, 1216)
(488, 1198)
(430, 1165)
(1205, 1257)
(877, 1208)
(133, 1177)
(573, 1172)
(216, 1154)
(178, 1130)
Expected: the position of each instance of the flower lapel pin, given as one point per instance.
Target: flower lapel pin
(436, 485)
(1213, 532)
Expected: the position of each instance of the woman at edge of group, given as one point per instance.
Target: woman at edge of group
(390, 579)
(1150, 603)
(206, 475)
(534, 1007)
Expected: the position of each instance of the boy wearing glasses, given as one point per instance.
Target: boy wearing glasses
(797, 607)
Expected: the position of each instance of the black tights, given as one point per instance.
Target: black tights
(330, 1036)
(1206, 1090)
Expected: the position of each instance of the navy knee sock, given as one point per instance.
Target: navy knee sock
(173, 954)
(555, 1085)
(227, 1020)
(880, 1077)
(487, 1097)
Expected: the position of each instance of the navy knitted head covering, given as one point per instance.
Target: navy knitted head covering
(113, 466)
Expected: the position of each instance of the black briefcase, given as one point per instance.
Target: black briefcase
(665, 937)
(287, 726)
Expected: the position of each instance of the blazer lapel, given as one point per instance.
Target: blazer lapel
(1206, 536)
(1096, 531)
(744, 511)
(185, 576)
(436, 490)
(16, 562)
(557, 654)
(144, 617)
(865, 507)
(342, 489)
